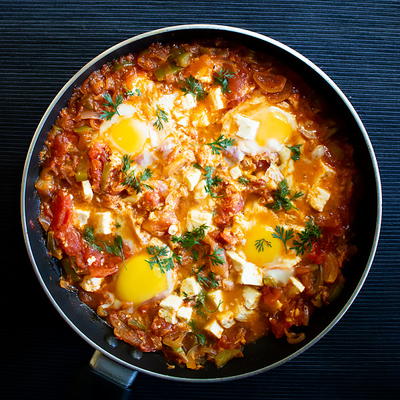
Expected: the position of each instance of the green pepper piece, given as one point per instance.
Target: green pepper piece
(82, 129)
(183, 59)
(52, 247)
(105, 175)
(165, 70)
(81, 173)
(226, 355)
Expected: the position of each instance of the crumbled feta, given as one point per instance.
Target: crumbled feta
(247, 128)
(297, 283)
(200, 191)
(237, 261)
(190, 287)
(201, 119)
(188, 101)
(281, 275)
(196, 217)
(214, 328)
(251, 297)
(173, 229)
(125, 110)
(87, 190)
(91, 284)
(217, 98)
(273, 176)
(168, 315)
(91, 260)
(216, 297)
(242, 314)
(81, 217)
(226, 319)
(185, 313)
(250, 275)
(166, 102)
(318, 197)
(274, 145)
(236, 172)
(104, 222)
(171, 302)
(192, 177)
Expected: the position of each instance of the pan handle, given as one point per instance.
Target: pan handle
(112, 371)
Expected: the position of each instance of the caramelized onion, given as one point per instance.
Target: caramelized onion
(89, 115)
(269, 83)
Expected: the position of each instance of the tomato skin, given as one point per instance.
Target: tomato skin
(317, 254)
(62, 211)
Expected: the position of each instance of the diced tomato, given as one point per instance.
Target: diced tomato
(98, 155)
(62, 211)
(317, 255)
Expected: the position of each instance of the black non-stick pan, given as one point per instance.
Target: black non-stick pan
(117, 360)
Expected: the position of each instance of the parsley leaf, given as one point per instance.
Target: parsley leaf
(222, 143)
(88, 235)
(135, 92)
(283, 197)
(211, 181)
(194, 87)
(126, 163)
(161, 257)
(283, 235)
(201, 339)
(110, 103)
(116, 248)
(216, 258)
(132, 180)
(310, 234)
(161, 116)
(222, 78)
(295, 151)
(243, 180)
(191, 238)
(261, 244)
(208, 280)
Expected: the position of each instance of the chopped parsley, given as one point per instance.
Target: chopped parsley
(201, 339)
(115, 249)
(133, 180)
(200, 306)
(162, 257)
(243, 180)
(191, 238)
(110, 103)
(197, 165)
(215, 257)
(261, 244)
(222, 78)
(305, 239)
(208, 280)
(283, 235)
(283, 198)
(135, 92)
(222, 143)
(295, 151)
(211, 181)
(162, 116)
(194, 87)
(88, 235)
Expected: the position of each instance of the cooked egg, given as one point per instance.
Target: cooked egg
(137, 282)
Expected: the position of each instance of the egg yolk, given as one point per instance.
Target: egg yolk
(137, 282)
(273, 125)
(261, 247)
(128, 135)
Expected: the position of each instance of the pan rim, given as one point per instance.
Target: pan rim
(245, 32)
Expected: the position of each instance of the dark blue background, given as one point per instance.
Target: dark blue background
(356, 42)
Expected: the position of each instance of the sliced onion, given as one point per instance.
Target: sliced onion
(308, 133)
(318, 152)
(89, 115)
(145, 159)
(270, 83)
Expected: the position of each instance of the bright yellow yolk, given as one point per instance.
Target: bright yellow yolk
(273, 125)
(128, 135)
(137, 282)
(272, 247)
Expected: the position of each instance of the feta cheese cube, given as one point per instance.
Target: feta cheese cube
(217, 98)
(104, 223)
(297, 283)
(273, 176)
(192, 177)
(91, 284)
(226, 319)
(197, 217)
(185, 313)
(168, 315)
(216, 297)
(281, 275)
(171, 302)
(242, 314)
(126, 110)
(214, 328)
(247, 128)
(166, 102)
(251, 297)
(236, 172)
(190, 287)
(250, 275)
(274, 145)
(200, 192)
(81, 217)
(201, 119)
(188, 101)
(317, 198)
(237, 261)
(87, 190)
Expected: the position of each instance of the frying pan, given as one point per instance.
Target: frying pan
(116, 360)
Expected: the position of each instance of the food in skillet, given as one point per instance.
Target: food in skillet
(198, 199)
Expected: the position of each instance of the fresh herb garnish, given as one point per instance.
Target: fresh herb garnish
(211, 181)
(215, 257)
(222, 78)
(283, 197)
(201, 339)
(243, 180)
(116, 248)
(88, 235)
(197, 165)
(135, 92)
(295, 151)
(135, 181)
(126, 163)
(283, 235)
(191, 238)
(162, 257)
(310, 234)
(201, 307)
(208, 280)
(161, 116)
(194, 87)
(110, 103)
(222, 143)
(261, 244)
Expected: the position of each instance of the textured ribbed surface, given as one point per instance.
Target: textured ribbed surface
(356, 43)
